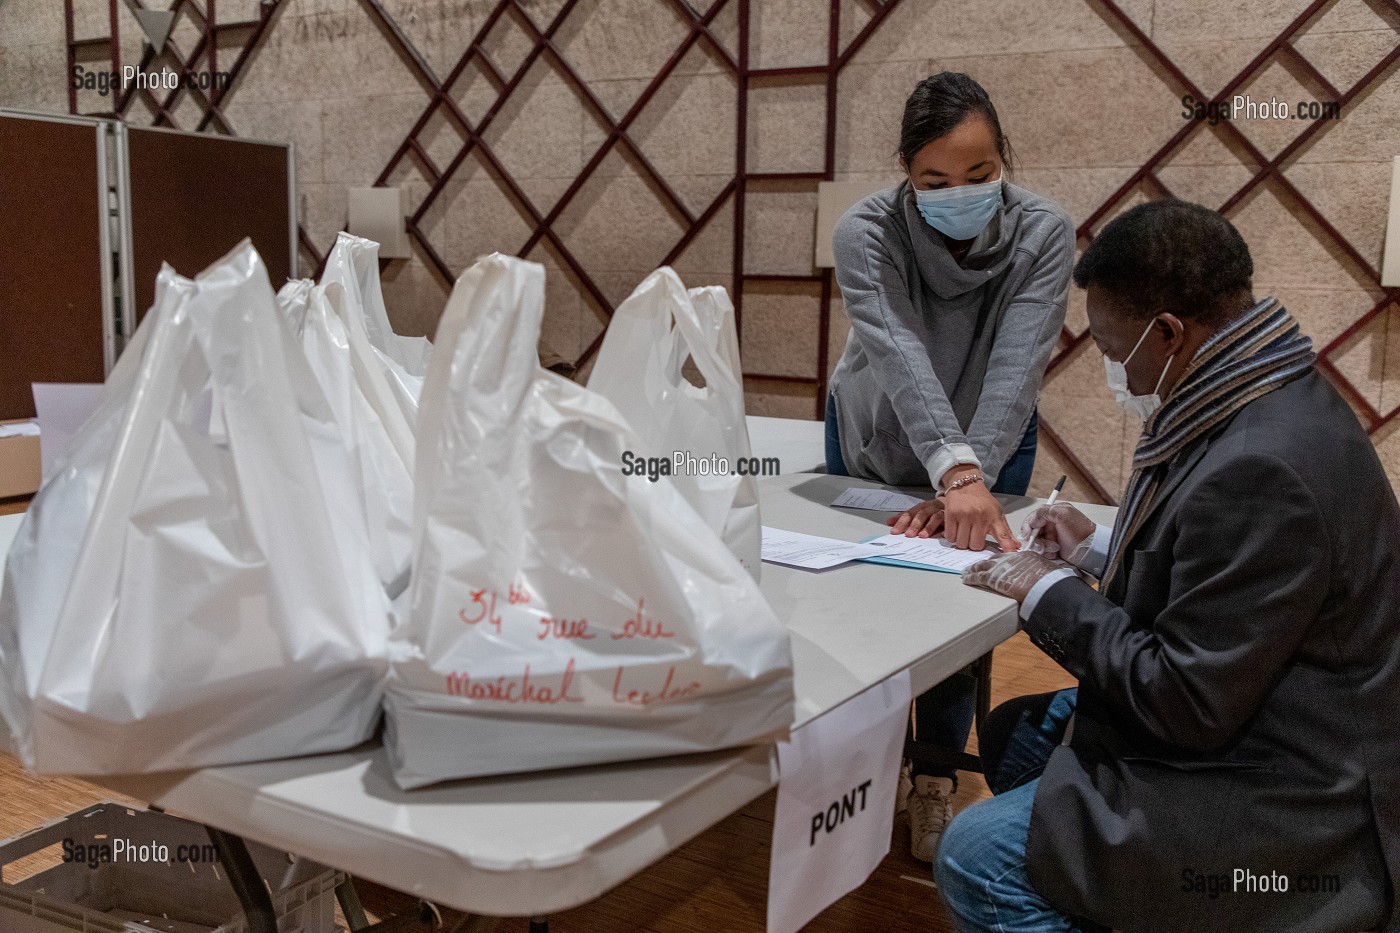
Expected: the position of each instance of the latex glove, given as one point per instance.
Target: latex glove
(1012, 574)
(922, 521)
(1065, 532)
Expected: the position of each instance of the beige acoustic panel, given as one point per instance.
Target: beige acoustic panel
(834, 198)
(1390, 267)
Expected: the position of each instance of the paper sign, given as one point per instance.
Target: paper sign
(62, 408)
(20, 429)
(878, 500)
(925, 553)
(810, 552)
(839, 776)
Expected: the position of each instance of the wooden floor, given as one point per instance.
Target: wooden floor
(717, 882)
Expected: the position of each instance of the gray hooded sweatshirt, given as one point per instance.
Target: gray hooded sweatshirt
(944, 361)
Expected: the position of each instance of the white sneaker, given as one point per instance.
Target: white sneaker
(930, 806)
(906, 787)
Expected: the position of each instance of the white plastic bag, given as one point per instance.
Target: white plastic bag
(716, 313)
(562, 613)
(377, 435)
(293, 299)
(353, 263)
(701, 431)
(192, 587)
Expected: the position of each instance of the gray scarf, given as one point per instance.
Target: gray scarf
(1259, 352)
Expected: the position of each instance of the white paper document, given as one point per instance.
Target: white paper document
(20, 429)
(835, 806)
(878, 500)
(811, 552)
(62, 408)
(930, 552)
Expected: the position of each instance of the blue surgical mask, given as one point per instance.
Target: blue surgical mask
(960, 213)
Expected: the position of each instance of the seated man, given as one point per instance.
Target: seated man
(1232, 758)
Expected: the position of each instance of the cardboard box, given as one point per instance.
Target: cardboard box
(21, 468)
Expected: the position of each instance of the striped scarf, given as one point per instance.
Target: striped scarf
(1252, 356)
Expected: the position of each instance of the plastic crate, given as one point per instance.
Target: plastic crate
(122, 893)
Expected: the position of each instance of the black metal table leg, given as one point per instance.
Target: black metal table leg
(246, 881)
(983, 668)
(350, 905)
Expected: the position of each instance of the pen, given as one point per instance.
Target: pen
(1054, 494)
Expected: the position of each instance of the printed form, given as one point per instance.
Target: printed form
(811, 552)
(925, 553)
(878, 500)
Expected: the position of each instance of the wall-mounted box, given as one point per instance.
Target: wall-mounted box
(377, 214)
(834, 198)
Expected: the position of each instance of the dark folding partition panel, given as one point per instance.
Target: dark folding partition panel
(55, 262)
(195, 196)
(71, 275)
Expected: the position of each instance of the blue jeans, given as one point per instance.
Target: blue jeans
(835, 463)
(944, 714)
(981, 863)
(1015, 476)
(1013, 480)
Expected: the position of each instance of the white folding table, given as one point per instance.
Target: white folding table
(9, 527)
(535, 844)
(799, 444)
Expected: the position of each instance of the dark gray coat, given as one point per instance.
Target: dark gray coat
(1239, 700)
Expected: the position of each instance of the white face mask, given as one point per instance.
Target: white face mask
(1140, 405)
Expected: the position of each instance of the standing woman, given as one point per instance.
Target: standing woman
(955, 282)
